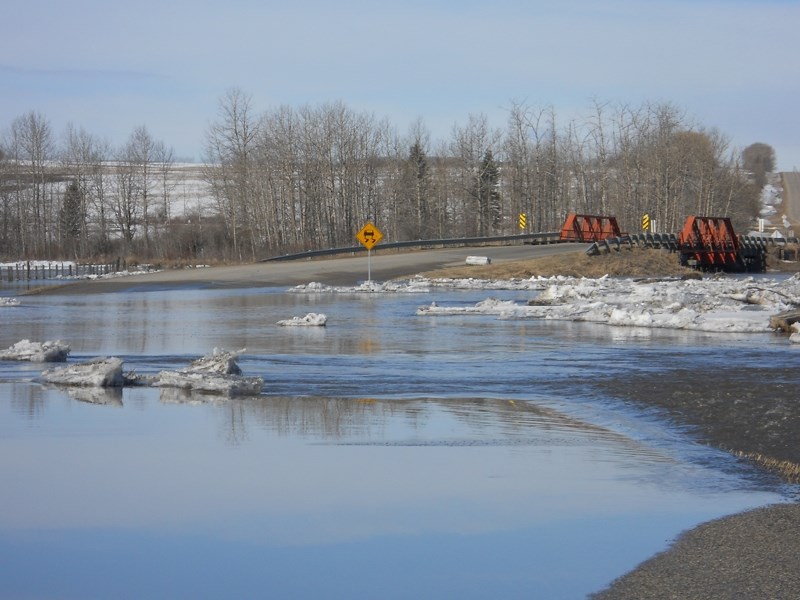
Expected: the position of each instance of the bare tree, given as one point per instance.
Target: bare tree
(31, 148)
(230, 148)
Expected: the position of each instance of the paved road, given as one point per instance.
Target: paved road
(791, 198)
(332, 271)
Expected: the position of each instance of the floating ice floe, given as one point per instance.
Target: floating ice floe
(217, 373)
(6, 301)
(99, 372)
(722, 304)
(49, 351)
(310, 320)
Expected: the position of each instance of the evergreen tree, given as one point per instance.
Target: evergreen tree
(488, 193)
(71, 218)
(419, 179)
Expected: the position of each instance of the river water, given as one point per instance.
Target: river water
(390, 455)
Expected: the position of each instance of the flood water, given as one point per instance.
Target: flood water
(390, 455)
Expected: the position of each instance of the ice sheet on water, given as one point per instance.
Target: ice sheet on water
(310, 320)
(26, 350)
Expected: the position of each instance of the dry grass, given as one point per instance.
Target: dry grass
(636, 262)
(787, 470)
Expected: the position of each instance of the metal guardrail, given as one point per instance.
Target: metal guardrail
(525, 238)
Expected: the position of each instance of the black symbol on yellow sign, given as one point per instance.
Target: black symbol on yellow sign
(369, 236)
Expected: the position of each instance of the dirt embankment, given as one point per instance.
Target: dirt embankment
(635, 262)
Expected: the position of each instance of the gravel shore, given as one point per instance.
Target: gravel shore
(755, 554)
(750, 555)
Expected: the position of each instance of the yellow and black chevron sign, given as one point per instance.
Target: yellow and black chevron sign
(523, 220)
(646, 222)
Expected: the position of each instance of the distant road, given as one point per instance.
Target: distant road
(791, 198)
(333, 271)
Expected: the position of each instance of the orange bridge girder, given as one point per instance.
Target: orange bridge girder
(588, 228)
(710, 242)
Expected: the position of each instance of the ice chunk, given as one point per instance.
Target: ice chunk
(217, 373)
(310, 320)
(49, 351)
(219, 362)
(100, 372)
(795, 337)
(230, 385)
(4, 301)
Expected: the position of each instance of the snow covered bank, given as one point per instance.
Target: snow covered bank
(25, 350)
(367, 287)
(422, 285)
(715, 304)
(721, 304)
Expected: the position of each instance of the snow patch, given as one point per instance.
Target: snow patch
(5, 301)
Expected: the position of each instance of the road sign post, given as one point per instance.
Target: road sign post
(369, 235)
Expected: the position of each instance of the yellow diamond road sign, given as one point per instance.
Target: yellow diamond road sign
(369, 236)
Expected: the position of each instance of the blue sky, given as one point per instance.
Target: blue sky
(111, 66)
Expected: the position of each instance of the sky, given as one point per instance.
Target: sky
(109, 67)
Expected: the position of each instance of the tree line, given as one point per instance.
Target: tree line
(291, 179)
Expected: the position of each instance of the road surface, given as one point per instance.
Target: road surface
(332, 271)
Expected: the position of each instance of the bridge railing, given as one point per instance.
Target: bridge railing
(524, 238)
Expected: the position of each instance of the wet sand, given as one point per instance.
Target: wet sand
(755, 554)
